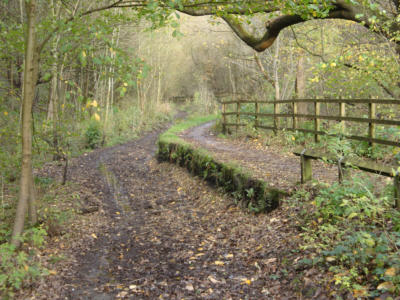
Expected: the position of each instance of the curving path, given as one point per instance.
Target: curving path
(269, 163)
(162, 234)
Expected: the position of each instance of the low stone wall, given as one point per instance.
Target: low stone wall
(249, 193)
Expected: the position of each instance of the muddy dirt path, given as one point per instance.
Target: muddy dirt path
(167, 235)
(126, 184)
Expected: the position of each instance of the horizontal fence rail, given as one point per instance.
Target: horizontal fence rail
(372, 120)
(346, 101)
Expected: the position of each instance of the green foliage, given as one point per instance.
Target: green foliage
(19, 268)
(336, 142)
(299, 138)
(54, 219)
(93, 135)
(354, 235)
(9, 138)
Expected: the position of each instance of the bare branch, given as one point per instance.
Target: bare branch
(261, 67)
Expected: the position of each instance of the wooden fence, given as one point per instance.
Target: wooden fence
(372, 120)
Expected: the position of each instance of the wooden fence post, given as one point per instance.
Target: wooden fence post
(257, 110)
(396, 183)
(317, 106)
(223, 118)
(306, 168)
(237, 115)
(342, 110)
(294, 123)
(276, 119)
(371, 126)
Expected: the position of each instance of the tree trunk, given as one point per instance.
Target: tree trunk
(53, 102)
(301, 85)
(231, 78)
(32, 212)
(22, 75)
(159, 75)
(26, 195)
(276, 73)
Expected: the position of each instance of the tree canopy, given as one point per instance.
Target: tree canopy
(379, 16)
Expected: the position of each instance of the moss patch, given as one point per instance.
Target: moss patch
(250, 193)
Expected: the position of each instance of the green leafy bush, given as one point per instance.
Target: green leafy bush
(355, 236)
(19, 268)
(93, 135)
(55, 220)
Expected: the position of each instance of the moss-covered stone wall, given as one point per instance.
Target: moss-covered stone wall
(253, 194)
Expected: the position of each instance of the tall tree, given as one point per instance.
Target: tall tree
(27, 195)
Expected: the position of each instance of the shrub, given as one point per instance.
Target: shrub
(355, 236)
(19, 268)
(93, 135)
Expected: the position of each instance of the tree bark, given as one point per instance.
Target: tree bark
(26, 194)
(276, 73)
(53, 102)
(301, 85)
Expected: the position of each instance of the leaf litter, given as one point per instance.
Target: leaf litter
(160, 233)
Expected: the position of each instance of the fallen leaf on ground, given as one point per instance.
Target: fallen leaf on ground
(219, 263)
(390, 272)
(271, 260)
(189, 287)
(212, 279)
(386, 286)
(246, 281)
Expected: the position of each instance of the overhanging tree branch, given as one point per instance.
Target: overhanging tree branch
(72, 18)
(275, 26)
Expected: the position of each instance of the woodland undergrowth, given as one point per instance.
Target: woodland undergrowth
(351, 234)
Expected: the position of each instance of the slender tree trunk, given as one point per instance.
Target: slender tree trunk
(22, 75)
(26, 195)
(140, 96)
(276, 74)
(109, 83)
(11, 76)
(32, 212)
(232, 80)
(301, 85)
(53, 102)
